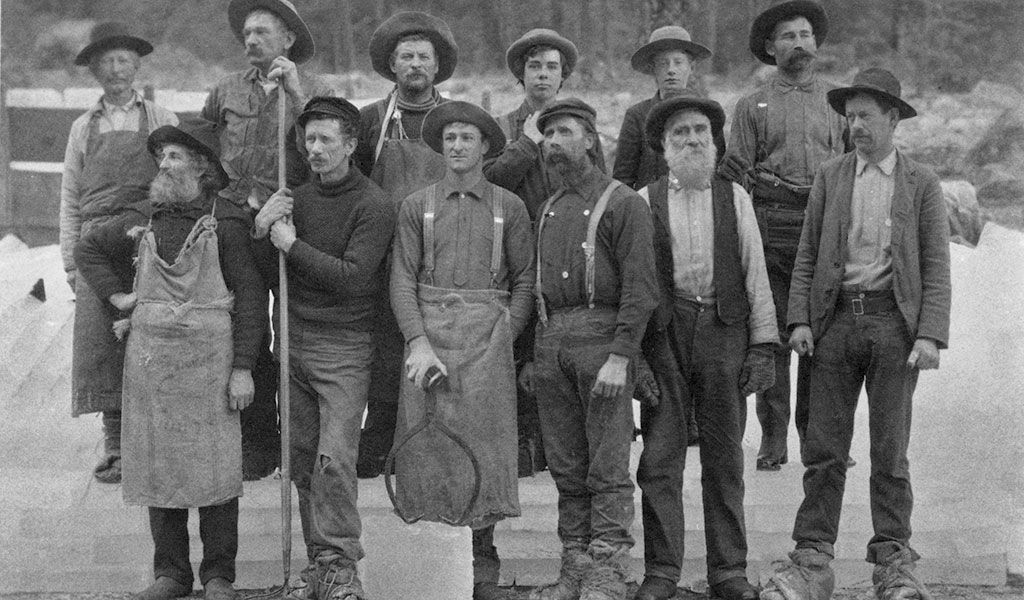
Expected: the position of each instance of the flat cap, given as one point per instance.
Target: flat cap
(328, 106)
(568, 107)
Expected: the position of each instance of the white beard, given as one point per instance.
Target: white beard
(175, 186)
(693, 166)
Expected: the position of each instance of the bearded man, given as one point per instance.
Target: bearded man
(197, 314)
(717, 322)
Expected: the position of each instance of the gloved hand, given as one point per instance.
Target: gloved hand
(647, 391)
(758, 372)
(734, 168)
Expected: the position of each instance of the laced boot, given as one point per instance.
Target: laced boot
(807, 577)
(338, 580)
(576, 563)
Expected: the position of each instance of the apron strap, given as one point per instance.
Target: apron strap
(542, 309)
(385, 121)
(591, 243)
(498, 210)
(429, 207)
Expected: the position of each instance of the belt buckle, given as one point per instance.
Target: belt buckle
(858, 306)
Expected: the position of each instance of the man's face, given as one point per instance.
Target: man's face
(414, 64)
(871, 128)
(329, 148)
(672, 72)
(266, 37)
(115, 70)
(689, 148)
(464, 147)
(793, 45)
(566, 142)
(542, 76)
(177, 181)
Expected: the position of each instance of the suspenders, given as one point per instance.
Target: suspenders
(429, 208)
(589, 246)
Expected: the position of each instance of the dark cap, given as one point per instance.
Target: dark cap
(109, 35)
(330, 107)
(875, 82)
(764, 24)
(457, 111)
(541, 37)
(663, 111)
(568, 107)
(194, 133)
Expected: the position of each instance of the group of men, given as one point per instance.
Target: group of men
(490, 297)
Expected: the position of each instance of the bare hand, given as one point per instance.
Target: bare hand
(282, 235)
(278, 206)
(421, 358)
(123, 302)
(924, 355)
(240, 389)
(284, 70)
(530, 129)
(734, 168)
(525, 379)
(611, 379)
(801, 340)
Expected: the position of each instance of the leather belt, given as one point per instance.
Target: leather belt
(867, 303)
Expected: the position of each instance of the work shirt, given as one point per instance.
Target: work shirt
(788, 130)
(110, 118)
(463, 239)
(691, 223)
(868, 242)
(624, 269)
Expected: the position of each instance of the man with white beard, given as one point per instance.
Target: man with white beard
(717, 322)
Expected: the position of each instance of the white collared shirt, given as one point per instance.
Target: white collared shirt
(868, 244)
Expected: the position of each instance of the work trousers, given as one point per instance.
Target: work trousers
(112, 432)
(586, 440)
(330, 374)
(385, 384)
(218, 528)
(486, 563)
(261, 440)
(854, 351)
(709, 357)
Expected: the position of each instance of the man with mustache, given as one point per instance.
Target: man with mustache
(780, 134)
(245, 105)
(870, 308)
(106, 171)
(596, 288)
(717, 324)
(335, 243)
(198, 311)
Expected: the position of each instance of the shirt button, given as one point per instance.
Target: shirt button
(565, 274)
(586, 213)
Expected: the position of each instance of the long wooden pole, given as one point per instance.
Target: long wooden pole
(285, 371)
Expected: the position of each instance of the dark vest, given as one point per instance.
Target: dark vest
(730, 285)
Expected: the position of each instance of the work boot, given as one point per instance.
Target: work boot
(734, 588)
(339, 580)
(306, 588)
(488, 590)
(576, 563)
(894, 578)
(807, 577)
(164, 588)
(108, 470)
(606, 580)
(219, 588)
(656, 588)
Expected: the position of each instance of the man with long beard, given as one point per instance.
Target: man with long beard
(717, 322)
(198, 312)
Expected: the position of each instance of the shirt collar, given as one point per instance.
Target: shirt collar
(254, 76)
(477, 190)
(106, 107)
(785, 87)
(886, 165)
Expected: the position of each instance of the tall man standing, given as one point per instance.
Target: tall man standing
(335, 244)
(106, 171)
(596, 288)
(462, 290)
(869, 306)
(717, 324)
(245, 106)
(780, 134)
(416, 51)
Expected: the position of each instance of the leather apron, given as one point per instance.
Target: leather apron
(402, 165)
(116, 174)
(471, 332)
(181, 445)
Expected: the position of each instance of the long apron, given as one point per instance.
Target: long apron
(402, 165)
(116, 174)
(181, 445)
(471, 332)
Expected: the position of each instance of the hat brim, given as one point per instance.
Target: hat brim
(385, 38)
(663, 111)
(169, 134)
(643, 59)
(837, 100)
(128, 42)
(515, 52)
(764, 25)
(461, 112)
(301, 51)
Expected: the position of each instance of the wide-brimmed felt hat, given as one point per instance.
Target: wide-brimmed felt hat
(876, 82)
(385, 38)
(195, 133)
(108, 35)
(764, 24)
(458, 111)
(303, 48)
(670, 37)
(541, 37)
(571, 107)
(328, 106)
(663, 111)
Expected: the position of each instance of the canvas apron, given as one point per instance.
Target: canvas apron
(181, 445)
(402, 165)
(116, 174)
(470, 330)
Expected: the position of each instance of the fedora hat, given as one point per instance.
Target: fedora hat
(663, 111)
(541, 37)
(386, 36)
(875, 82)
(194, 133)
(303, 48)
(670, 37)
(108, 35)
(764, 24)
(458, 111)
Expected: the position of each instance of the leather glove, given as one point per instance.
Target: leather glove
(647, 391)
(734, 168)
(758, 372)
